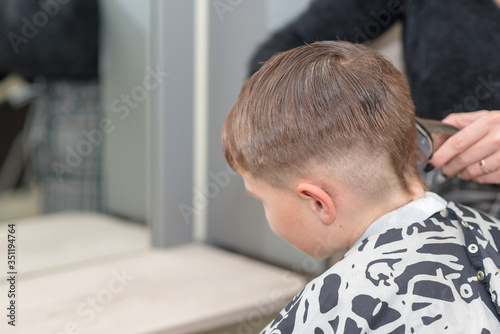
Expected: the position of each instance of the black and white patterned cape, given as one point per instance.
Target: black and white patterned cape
(429, 267)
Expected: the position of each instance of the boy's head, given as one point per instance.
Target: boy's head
(325, 111)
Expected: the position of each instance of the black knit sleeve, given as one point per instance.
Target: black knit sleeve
(352, 20)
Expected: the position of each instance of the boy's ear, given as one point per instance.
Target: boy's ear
(319, 202)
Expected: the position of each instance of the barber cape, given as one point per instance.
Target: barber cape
(427, 267)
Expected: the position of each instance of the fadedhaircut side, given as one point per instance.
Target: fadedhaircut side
(332, 104)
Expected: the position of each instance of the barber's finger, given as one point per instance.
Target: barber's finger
(492, 177)
(461, 120)
(470, 158)
(458, 144)
(481, 167)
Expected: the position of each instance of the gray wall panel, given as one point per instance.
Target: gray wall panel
(171, 121)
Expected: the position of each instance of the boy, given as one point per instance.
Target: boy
(324, 135)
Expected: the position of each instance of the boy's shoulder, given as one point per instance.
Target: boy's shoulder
(415, 277)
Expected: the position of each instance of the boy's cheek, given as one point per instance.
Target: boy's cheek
(274, 227)
(278, 227)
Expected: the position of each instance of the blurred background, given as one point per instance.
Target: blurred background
(111, 113)
(99, 109)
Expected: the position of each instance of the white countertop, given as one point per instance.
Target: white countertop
(185, 289)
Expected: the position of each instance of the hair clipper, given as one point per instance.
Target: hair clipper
(431, 135)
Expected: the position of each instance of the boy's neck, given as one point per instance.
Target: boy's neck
(361, 214)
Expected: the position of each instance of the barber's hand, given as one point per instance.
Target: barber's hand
(474, 152)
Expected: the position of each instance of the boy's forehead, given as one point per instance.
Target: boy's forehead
(248, 188)
(247, 182)
(252, 185)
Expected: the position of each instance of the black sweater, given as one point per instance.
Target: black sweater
(451, 47)
(55, 39)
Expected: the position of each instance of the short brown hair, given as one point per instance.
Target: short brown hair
(325, 103)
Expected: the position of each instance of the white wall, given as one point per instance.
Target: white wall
(280, 12)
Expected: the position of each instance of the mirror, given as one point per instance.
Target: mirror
(148, 132)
